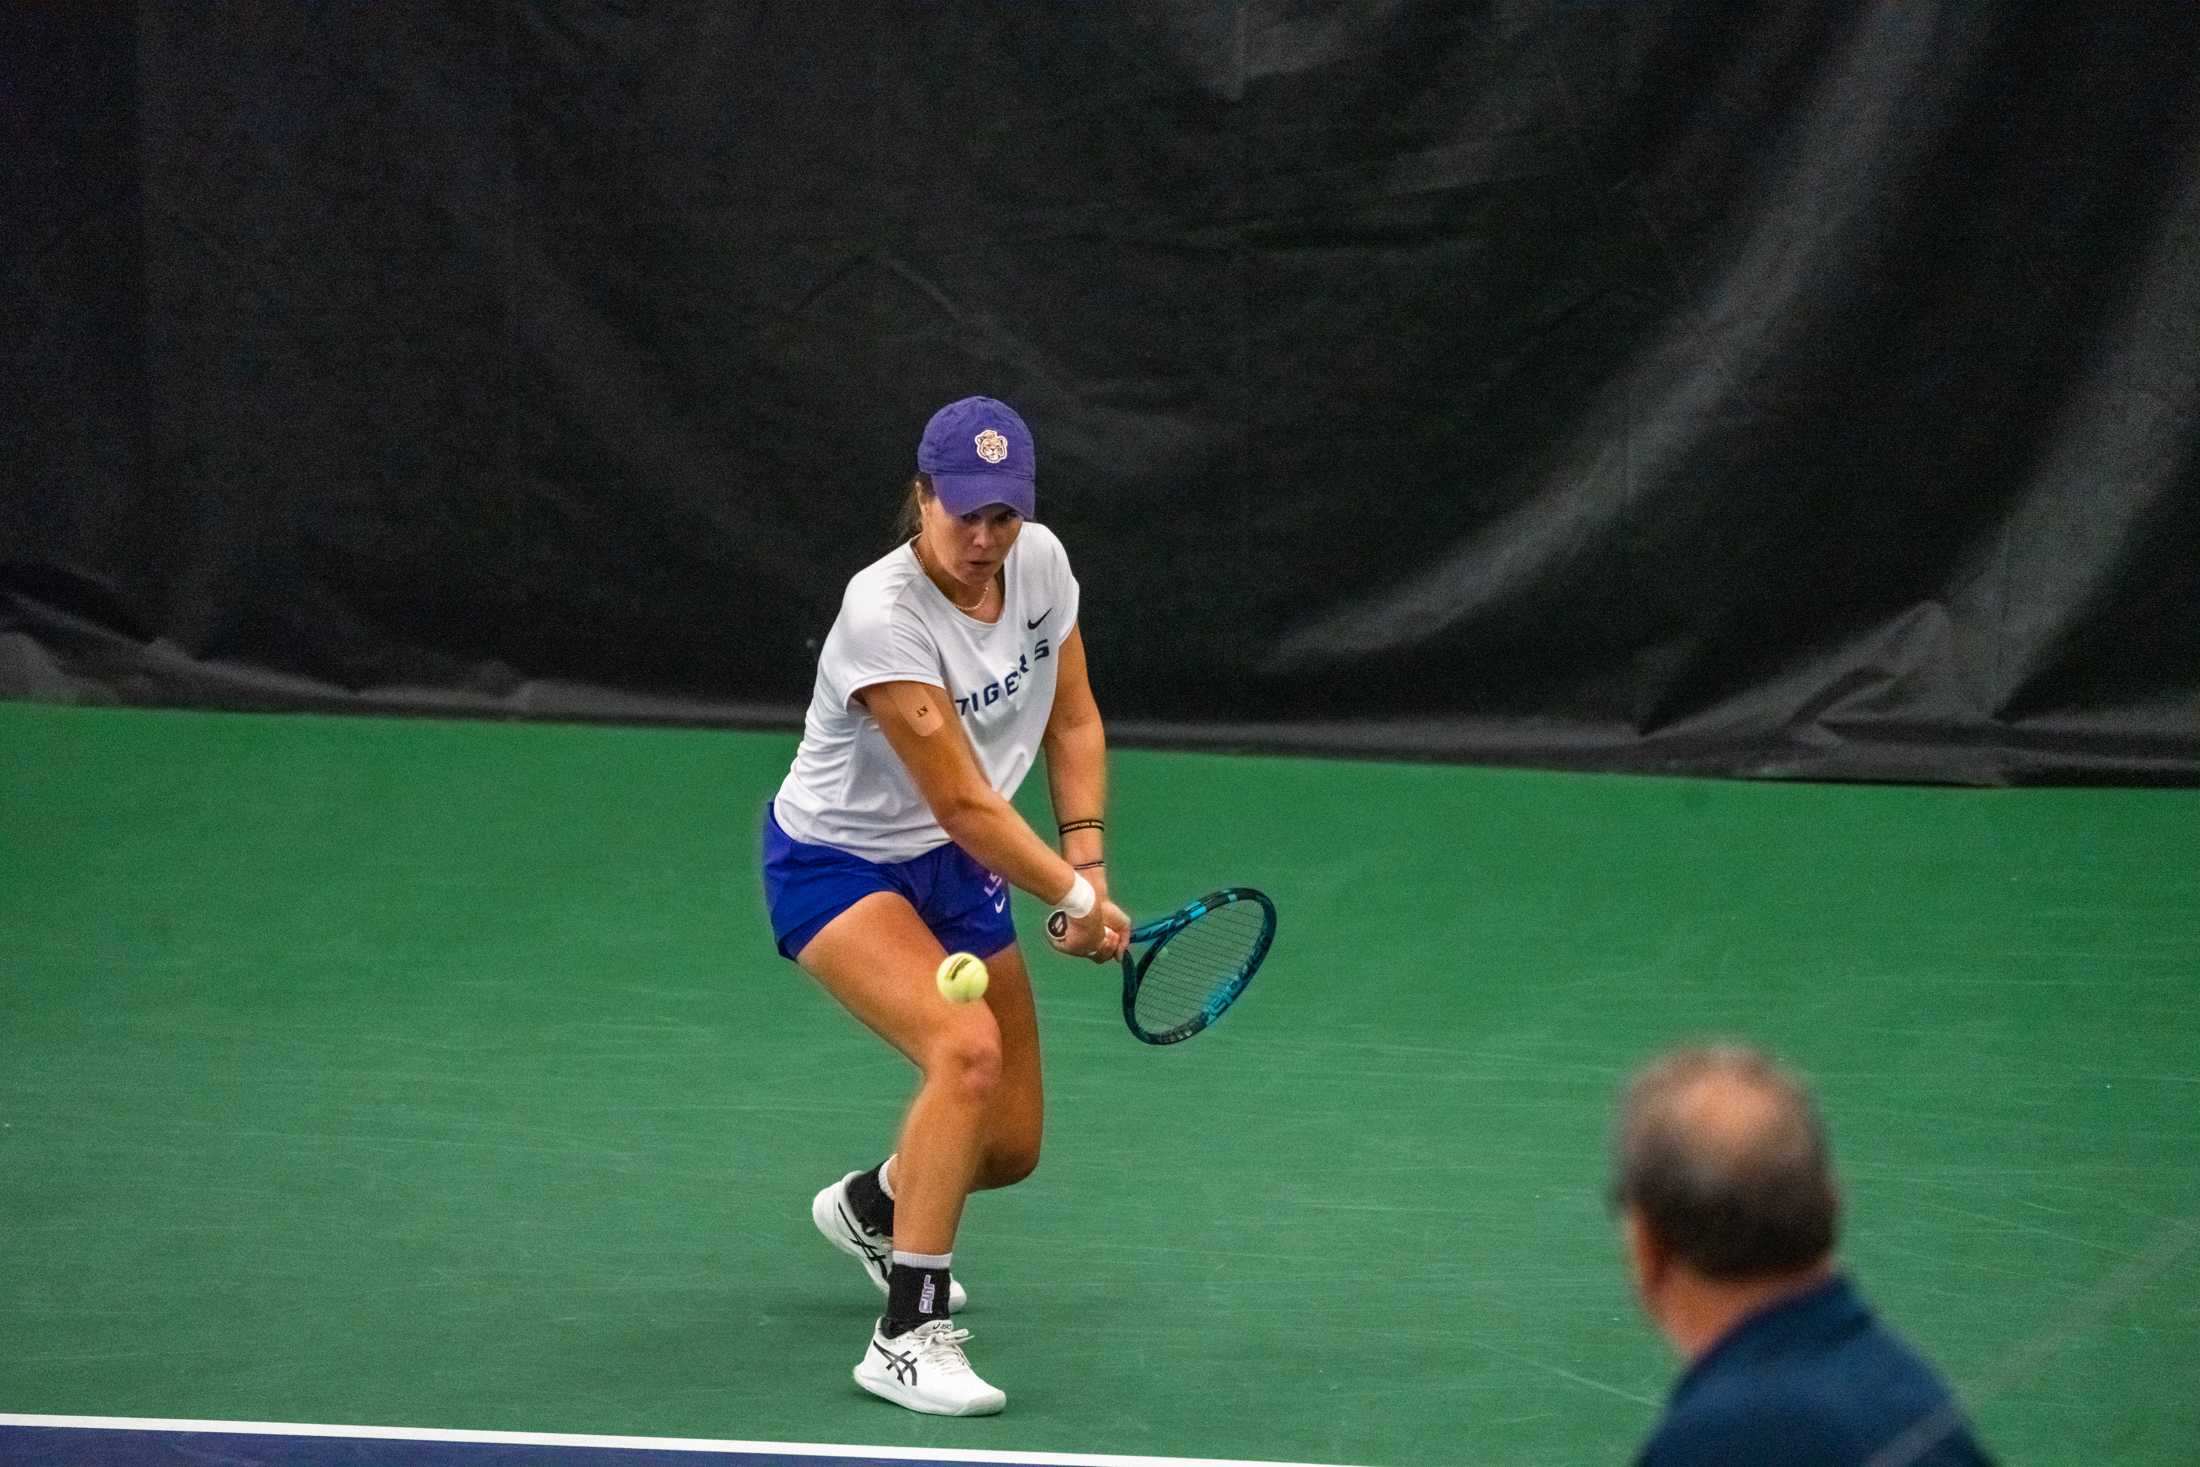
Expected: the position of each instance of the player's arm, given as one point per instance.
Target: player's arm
(1076, 747)
(924, 732)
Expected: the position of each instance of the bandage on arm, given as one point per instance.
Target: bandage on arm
(919, 707)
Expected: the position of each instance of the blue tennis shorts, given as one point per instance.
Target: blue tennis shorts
(806, 886)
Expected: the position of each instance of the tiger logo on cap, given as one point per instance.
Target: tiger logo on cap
(992, 447)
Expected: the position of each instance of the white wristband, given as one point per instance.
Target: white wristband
(1079, 901)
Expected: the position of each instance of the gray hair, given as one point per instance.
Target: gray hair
(1724, 1158)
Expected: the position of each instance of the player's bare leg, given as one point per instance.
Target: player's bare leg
(1016, 1120)
(877, 959)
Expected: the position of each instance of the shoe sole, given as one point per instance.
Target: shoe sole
(889, 1391)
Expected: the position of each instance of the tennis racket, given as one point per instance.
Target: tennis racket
(1194, 963)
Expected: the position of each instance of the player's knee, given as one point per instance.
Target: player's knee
(967, 1059)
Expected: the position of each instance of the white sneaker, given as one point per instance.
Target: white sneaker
(926, 1370)
(837, 1221)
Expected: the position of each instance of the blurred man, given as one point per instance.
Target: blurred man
(1725, 1189)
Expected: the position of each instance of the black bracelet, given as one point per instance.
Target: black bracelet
(1087, 865)
(1083, 825)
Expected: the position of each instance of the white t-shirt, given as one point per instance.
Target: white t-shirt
(848, 789)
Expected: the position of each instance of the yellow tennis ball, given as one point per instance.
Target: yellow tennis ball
(962, 978)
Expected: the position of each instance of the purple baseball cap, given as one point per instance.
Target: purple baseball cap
(979, 452)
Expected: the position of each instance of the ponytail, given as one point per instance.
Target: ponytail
(911, 518)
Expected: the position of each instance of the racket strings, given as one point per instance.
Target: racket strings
(1199, 962)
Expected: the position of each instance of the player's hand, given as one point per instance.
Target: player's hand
(1099, 935)
(1118, 924)
(1118, 921)
(1078, 937)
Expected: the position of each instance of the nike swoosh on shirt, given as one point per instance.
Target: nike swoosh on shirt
(1033, 624)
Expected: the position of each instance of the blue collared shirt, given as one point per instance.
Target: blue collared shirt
(1814, 1380)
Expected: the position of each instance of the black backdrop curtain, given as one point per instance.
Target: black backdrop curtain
(1794, 389)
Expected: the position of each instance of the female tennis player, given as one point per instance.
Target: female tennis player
(954, 659)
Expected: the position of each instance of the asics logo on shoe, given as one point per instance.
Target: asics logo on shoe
(903, 1366)
(861, 1236)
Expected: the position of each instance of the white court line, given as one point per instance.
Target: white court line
(636, 1443)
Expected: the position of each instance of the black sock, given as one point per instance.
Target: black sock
(916, 1291)
(868, 1200)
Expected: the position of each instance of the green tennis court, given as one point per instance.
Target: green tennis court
(441, 1073)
